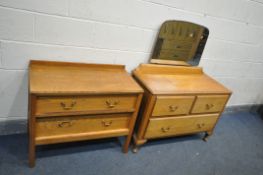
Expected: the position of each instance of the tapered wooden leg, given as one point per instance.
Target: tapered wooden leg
(31, 144)
(32, 155)
(207, 135)
(31, 131)
(125, 147)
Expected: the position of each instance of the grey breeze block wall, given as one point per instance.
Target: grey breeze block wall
(123, 32)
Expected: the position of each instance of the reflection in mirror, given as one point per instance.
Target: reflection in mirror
(180, 43)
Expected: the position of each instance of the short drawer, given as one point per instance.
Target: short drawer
(55, 106)
(172, 105)
(49, 127)
(209, 103)
(164, 127)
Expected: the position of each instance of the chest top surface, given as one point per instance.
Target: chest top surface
(48, 77)
(164, 79)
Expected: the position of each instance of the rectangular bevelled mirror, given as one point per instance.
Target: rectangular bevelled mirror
(179, 43)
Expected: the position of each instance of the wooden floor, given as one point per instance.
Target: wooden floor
(235, 147)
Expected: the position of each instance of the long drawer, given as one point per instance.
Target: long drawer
(164, 127)
(70, 127)
(55, 106)
(172, 105)
(209, 103)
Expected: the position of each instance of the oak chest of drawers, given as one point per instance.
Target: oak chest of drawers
(73, 101)
(177, 101)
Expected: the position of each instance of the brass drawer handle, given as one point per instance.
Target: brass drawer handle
(200, 125)
(165, 129)
(68, 107)
(65, 124)
(112, 104)
(173, 108)
(209, 106)
(106, 123)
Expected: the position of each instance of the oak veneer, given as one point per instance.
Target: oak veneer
(209, 103)
(171, 126)
(87, 104)
(50, 77)
(177, 101)
(55, 126)
(172, 105)
(74, 101)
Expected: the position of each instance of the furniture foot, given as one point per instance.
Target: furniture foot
(135, 148)
(125, 149)
(137, 143)
(207, 135)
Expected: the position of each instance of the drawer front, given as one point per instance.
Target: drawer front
(88, 104)
(172, 105)
(209, 103)
(56, 126)
(164, 127)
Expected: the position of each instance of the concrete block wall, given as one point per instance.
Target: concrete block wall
(123, 32)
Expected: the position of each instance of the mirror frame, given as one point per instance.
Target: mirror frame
(179, 62)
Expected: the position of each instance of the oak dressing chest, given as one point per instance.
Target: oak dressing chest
(179, 99)
(74, 101)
